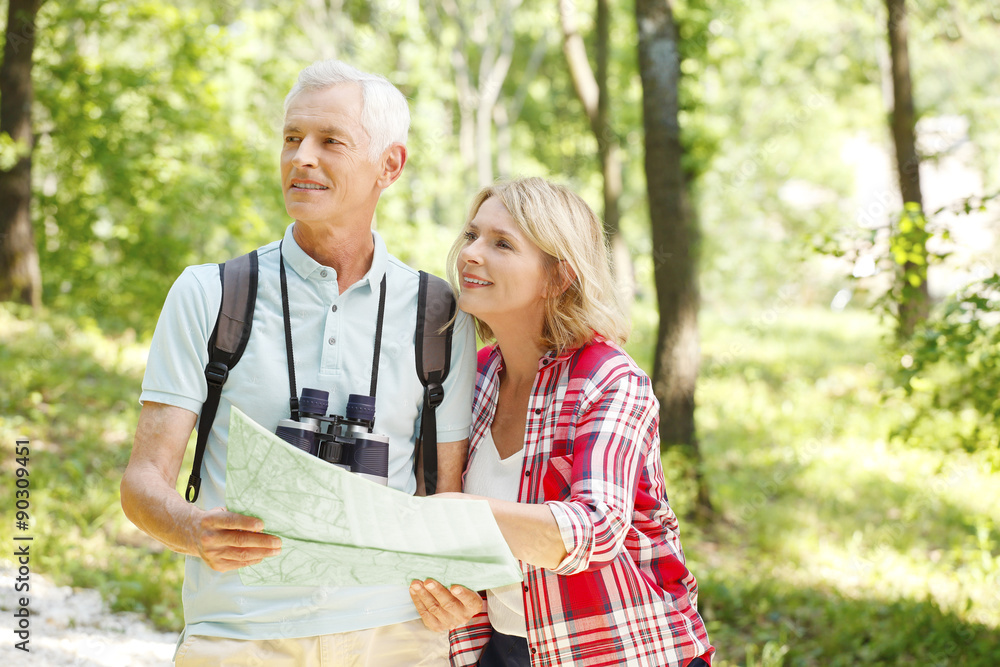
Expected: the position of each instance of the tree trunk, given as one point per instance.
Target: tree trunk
(476, 103)
(493, 70)
(20, 275)
(914, 299)
(505, 161)
(593, 93)
(674, 233)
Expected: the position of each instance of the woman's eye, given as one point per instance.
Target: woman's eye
(504, 245)
(469, 236)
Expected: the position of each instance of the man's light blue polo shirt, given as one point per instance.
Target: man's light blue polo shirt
(333, 336)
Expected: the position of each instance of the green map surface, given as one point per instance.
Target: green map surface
(338, 529)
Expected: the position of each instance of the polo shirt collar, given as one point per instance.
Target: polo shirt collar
(309, 269)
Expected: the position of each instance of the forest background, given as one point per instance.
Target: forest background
(838, 495)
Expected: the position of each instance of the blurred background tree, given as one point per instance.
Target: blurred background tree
(19, 272)
(591, 84)
(910, 235)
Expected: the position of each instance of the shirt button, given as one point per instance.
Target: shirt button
(538, 411)
(527, 473)
(323, 273)
(526, 588)
(334, 309)
(332, 341)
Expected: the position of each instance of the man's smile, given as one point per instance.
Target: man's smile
(308, 185)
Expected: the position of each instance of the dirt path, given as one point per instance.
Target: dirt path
(74, 627)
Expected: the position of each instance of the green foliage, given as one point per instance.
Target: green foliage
(10, 151)
(157, 128)
(157, 132)
(909, 246)
(951, 371)
(947, 41)
(908, 250)
(71, 391)
(142, 164)
(774, 92)
(835, 545)
(788, 625)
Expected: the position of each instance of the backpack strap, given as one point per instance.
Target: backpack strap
(435, 315)
(225, 347)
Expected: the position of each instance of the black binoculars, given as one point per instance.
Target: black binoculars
(345, 441)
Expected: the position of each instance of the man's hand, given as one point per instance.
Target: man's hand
(224, 540)
(443, 609)
(228, 541)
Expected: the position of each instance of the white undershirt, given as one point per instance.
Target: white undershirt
(493, 477)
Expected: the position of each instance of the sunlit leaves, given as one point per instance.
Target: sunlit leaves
(140, 169)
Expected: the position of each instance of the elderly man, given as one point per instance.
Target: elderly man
(343, 144)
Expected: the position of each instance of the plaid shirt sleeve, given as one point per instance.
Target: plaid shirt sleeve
(467, 642)
(614, 432)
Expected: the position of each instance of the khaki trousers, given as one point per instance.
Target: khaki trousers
(407, 644)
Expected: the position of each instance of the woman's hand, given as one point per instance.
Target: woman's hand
(443, 609)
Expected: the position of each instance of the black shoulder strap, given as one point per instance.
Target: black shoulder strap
(435, 315)
(225, 347)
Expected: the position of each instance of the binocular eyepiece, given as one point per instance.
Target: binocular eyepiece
(346, 441)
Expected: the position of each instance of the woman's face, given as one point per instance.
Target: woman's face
(502, 274)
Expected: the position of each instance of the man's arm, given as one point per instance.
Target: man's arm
(454, 415)
(224, 540)
(451, 464)
(452, 457)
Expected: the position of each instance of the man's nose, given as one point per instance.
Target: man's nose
(305, 154)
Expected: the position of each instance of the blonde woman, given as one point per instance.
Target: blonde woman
(565, 447)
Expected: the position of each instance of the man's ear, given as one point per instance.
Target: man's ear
(563, 276)
(392, 165)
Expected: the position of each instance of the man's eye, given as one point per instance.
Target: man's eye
(289, 140)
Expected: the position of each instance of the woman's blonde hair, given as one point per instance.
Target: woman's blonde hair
(567, 230)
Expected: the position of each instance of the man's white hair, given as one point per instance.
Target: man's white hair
(385, 115)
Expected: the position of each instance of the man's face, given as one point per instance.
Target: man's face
(326, 176)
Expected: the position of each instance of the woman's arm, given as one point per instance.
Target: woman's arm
(586, 527)
(530, 530)
(615, 440)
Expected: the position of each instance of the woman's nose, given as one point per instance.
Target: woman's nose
(470, 253)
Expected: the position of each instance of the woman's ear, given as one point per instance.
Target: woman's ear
(563, 276)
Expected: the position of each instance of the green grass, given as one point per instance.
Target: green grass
(833, 544)
(74, 394)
